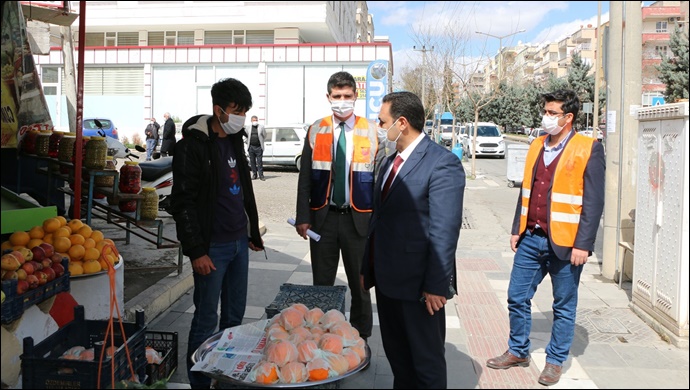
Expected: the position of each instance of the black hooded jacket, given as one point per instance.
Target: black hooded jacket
(195, 186)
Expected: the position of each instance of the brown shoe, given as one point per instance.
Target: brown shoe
(507, 360)
(551, 375)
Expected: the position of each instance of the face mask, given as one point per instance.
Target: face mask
(254, 123)
(234, 124)
(343, 108)
(550, 124)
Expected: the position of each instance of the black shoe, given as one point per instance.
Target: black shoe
(253, 177)
(262, 178)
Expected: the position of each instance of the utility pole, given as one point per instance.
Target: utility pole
(500, 48)
(597, 76)
(423, 50)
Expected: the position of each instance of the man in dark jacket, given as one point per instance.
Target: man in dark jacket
(215, 212)
(151, 133)
(168, 144)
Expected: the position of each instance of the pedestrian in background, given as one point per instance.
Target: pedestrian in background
(334, 193)
(555, 225)
(168, 144)
(255, 148)
(215, 213)
(413, 236)
(151, 133)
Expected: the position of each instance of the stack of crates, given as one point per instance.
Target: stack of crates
(165, 343)
(323, 297)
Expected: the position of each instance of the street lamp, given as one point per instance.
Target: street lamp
(500, 48)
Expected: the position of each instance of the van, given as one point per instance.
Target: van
(283, 144)
(490, 140)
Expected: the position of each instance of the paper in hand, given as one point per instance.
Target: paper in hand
(312, 234)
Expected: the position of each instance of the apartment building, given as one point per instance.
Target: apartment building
(145, 58)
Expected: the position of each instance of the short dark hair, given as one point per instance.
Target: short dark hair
(341, 80)
(568, 98)
(408, 105)
(231, 90)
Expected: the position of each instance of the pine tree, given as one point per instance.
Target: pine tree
(673, 71)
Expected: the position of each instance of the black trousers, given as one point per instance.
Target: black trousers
(256, 160)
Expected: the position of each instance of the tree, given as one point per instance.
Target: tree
(673, 71)
(581, 82)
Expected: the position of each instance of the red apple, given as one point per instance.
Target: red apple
(22, 286)
(21, 274)
(29, 267)
(32, 280)
(37, 265)
(50, 272)
(47, 262)
(10, 262)
(10, 275)
(26, 252)
(39, 253)
(48, 249)
(57, 258)
(59, 269)
(42, 277)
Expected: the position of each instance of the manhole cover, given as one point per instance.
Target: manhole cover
(466, 220)
(608, 325)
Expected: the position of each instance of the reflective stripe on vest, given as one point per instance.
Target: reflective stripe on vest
(364, 146)
(567, 187)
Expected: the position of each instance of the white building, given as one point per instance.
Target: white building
(145, 58)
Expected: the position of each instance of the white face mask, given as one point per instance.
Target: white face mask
(550, 124)
(343, 108)
(255, 123)
(383, 133)
(234, 124)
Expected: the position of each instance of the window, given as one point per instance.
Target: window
(661, 51)
(110, 38)
(128, 39)
(286, 135)
(94, 39)
(260, 37)
(238, 37)
(185, 37)
(155, 38)
(661, 27)
(218, 37)
(49, 75)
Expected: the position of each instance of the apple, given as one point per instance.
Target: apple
(26, 252)
(48, 249)
(29, 267)
(21, 274)
(37, 265)
(22, 287)
(32, 280)
(39, 253)
(9, 275)
(59, 269)
(47, 262)
(10, 262)
(50, 272)
(57, 257)
(42, 277)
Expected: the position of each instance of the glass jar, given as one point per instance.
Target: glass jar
(43, 143)
(54, 143)
(106, 180)
(130, 178)
(96, 151)
(29, 142)
(128, 206)
(66, 150)
(149, 204)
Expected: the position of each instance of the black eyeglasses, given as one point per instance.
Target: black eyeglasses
(551, 113)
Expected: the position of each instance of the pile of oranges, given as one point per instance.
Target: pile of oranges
(73, 239)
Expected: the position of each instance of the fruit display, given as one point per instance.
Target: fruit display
(306, 345)
(33, 252)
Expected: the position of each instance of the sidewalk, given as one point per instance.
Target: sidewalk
(613, 347)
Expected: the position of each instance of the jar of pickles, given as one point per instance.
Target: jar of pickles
(54, 143)
(149, 204)
(96, 151)
(130, 183)
(29, 142)
(43, 143)
(106, 180)
(66, 150)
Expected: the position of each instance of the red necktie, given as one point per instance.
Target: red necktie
(396, 163)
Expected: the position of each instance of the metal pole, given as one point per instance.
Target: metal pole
(598, 52)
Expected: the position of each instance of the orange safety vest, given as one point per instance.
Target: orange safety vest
(567, 188)
(365, 144)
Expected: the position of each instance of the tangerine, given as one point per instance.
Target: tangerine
(61, 244)
(75, 225)
(34, 242)
(48, 238)
(6, 245)
(77, 239)
(76, 252)
(85, 231)
(91, 254)
(104, 264)
(51, 224)
(75, 268)
(37, 232)
(62, 220)
(97, 235)
(91, 266)
(89, 243)
(63, 231)
(20, 238)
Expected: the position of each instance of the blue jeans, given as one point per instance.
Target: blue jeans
(229, 283)
(150, 147)
(533, 260)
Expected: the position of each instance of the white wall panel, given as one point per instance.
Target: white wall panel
(285, 94)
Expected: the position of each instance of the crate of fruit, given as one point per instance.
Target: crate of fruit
(161, 355)
(323, 297)
(33, 285)
(69, 358)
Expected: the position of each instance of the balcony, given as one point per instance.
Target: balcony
(656, 37)
(657, 12)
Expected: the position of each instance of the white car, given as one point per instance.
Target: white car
(284, 143)
(490, 141)
(588, 133)
(536, 132)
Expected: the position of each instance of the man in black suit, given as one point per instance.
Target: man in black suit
(169, 140)
(413, 235)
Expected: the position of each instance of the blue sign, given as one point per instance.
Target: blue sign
(657, 101)
(377, 87)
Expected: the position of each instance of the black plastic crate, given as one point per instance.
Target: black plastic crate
(15, 305)
(166, 344)
(324, 297)
(42, 367)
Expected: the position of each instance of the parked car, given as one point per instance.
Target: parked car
(428, 126)
(89, 127)
(536, 132)
(447, 134)
(490, 140)
(283, 144)
(588, 132)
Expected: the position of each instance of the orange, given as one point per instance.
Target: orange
(77, 239)
(104, 264)
(37, 232)
(34, 242)
(62, 232)
(51, 224)
(61, 244)
(75, 225)
(89, 243)
(48, 238)
(20, 238)
(76, 252)
(63, 221)
(65, 254)
(97, 235)
(91, 266)
(92, 254)
(85, 231)
(6, 245)
(75, 268)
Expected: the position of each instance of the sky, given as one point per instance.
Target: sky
(404, 22)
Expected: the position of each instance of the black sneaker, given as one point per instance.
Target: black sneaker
(262, 178)
(253, 177)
